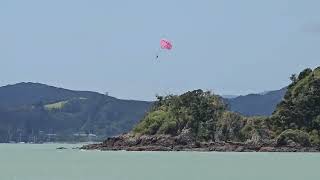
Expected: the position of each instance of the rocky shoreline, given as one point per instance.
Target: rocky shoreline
(128, 142)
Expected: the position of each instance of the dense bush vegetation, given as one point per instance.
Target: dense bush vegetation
(196, 110)
(300, 108)
(296, 136)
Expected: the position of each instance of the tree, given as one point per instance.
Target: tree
(293, 78)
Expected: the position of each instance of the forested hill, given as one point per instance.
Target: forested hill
(33, 110)
(31, 93)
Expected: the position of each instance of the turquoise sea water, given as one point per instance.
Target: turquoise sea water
(44, 162)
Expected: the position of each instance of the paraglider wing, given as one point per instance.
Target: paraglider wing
(165, 44)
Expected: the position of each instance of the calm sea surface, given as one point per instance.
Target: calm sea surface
(44, 162)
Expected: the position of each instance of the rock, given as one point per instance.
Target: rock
(267, 149)
(61, 148)
(291, 143)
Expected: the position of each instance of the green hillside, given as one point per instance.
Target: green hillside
(56, 106)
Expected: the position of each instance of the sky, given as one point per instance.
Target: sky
(228, 47)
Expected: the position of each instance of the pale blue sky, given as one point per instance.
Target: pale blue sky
(231, 47)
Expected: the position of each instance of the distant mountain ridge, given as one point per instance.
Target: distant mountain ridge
(229, 96)
(257, 104)
(32, 109)
(28, 93)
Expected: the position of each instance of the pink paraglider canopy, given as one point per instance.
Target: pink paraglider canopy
(165, 44)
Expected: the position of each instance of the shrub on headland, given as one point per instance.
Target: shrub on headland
(290, 136)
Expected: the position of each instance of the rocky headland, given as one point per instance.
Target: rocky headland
(202, 121)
